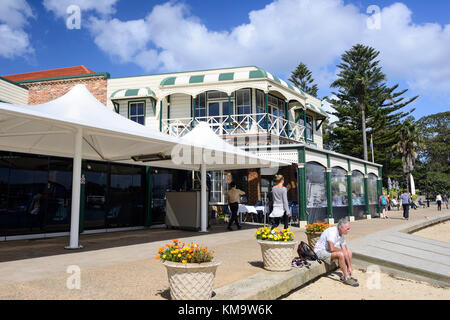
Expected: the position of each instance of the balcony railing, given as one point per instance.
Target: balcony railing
(233, 125)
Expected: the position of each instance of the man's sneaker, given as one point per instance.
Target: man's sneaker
(351, 282)
(229, 228)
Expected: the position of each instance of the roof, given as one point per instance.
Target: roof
(12, 82)
(259, 73)
(132, 93)
(51, 73)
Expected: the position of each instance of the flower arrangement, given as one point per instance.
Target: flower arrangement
(268, 234)
(317, 227)
(180, 252)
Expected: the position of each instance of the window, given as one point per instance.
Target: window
(243, 102)
(219, 187)
(276, 106)
(260, 107)
(136, 112)
(213, 95)
(200, 108)
(309, 128)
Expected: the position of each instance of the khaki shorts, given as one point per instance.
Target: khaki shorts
(324, 255)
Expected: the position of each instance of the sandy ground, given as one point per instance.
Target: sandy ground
(372, 286)
(439, 232)
(390, 287)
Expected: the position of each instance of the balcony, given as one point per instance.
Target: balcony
(257, 125)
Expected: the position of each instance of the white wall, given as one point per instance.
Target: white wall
(12, 93)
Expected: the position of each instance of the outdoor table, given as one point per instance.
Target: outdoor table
(246, 209)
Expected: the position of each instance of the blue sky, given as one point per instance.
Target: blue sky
(127, 38)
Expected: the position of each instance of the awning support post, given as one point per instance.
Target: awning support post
(76, 189)
(203, 200)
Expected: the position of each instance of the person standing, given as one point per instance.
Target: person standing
(445, 201)
(234, 197)
(384, 203)
(280, 203)
(439, 202)
(405, 203)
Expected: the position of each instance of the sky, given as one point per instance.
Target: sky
(137, 37)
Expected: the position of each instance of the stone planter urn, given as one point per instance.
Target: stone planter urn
(313, 237)
(277, 255)
(191, 281)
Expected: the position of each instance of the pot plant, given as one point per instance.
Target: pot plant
(313, 232)
(190, 270)
(277, 248)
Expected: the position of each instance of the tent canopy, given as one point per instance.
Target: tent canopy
(49, 129)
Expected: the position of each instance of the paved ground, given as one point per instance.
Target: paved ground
(122, 265)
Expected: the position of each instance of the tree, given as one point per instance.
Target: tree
(367, 107)
(409, 146)
(432, 170)
(301, 77)
(359, 79)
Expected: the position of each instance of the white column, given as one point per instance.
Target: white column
(76, 188)
(204, 200)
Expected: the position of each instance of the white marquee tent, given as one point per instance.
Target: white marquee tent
(78, 126)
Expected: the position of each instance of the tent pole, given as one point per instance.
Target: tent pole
(76, 189)
(203, 199)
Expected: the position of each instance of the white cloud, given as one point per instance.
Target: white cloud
(278, 37)
(14, 16)
(102, 7)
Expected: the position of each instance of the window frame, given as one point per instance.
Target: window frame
(137, 115)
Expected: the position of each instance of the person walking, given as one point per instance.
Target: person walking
(405, 203)
(439, 202)
(384, 203)
(445, 199)
(280, 203)
(234, 197)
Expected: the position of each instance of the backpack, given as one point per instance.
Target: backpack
(305, 252)
(383, 201)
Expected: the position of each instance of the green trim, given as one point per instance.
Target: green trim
(104, 74)
(302, 185)
(138, 101)
(131, 92)
(329, 195)
(116, 107)
(197, 79)
(257, 74)
(287, 116)
(14, 83)
(160, 115)
(349, 194)
(366, 193)
(148, 196)
(170, 81)
(194, 104)
(318, 125)
(226, 76)
(266, 107)
(82, 197)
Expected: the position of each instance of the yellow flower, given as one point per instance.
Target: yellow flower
(184, 261)
(179, 256)
(164, 256)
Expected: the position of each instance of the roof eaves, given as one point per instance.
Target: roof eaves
(106, 75)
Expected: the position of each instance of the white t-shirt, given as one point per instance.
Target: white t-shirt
(438, 198)
(331, 234)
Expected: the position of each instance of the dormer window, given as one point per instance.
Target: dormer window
(136, 112)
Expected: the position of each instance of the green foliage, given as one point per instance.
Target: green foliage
(365, 105)
(301, 77)
(432, 173)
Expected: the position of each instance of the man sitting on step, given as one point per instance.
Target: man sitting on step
(331, 246)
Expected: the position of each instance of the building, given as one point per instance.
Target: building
(246, 106)
(256, 110)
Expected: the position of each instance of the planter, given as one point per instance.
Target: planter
(312, 238)
(277, 255)
(191, 281)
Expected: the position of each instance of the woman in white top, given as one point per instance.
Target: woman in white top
(280, 203)
(439, 201)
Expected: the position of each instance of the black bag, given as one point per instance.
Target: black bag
(305, 252)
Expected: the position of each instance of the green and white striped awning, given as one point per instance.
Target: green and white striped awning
(317, 109)
(132, 93)
(227, 76)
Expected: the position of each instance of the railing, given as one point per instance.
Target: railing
(258, 123)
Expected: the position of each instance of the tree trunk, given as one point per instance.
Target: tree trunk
(363, 116)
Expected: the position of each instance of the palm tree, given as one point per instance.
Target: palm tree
(360, 82)
(408, 146)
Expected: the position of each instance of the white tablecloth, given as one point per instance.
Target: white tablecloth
(246, 209)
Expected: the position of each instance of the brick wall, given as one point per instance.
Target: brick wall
(45, 91)
(254, 186)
